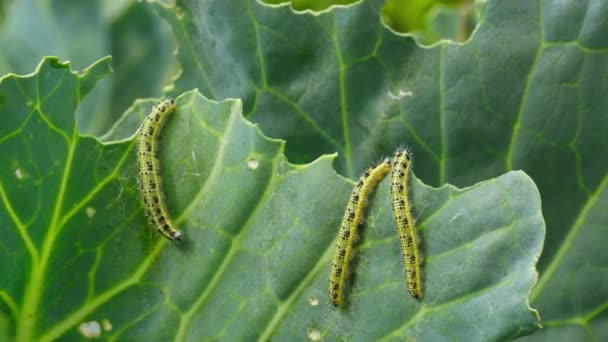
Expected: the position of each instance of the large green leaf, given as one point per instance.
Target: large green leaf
(528, 92)
(78, 257)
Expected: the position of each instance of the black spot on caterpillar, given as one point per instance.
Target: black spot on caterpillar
(148, 170)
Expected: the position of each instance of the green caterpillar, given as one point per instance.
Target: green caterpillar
(348, 235)
(412, 259)
(148, 168)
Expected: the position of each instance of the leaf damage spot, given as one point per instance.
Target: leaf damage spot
(314, 335)
(90, 329)
(90, 211)
(107, 326)
(401, 94)
(253, 164)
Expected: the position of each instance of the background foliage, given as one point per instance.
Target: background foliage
(525, 93)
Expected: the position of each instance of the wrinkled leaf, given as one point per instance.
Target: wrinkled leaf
(79, 258)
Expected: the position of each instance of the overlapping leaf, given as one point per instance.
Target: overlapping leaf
(82, 32)
(526, 92)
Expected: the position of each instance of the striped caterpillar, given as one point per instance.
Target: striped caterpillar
(148, 170)
(348, 235)
(412, 259)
